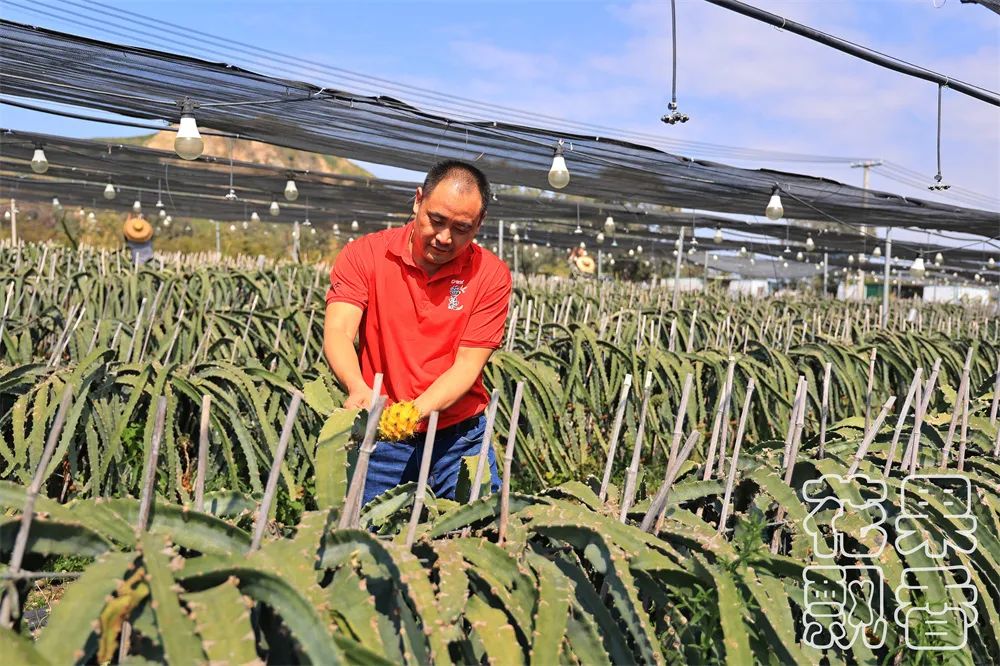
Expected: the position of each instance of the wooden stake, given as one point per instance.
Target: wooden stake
(914, 384)
(633, 469)
(868, 389)
(351, 511)
(425, 468)
(615, 433)
(658, 506)
(508, 459)
(484, 449)
(149, 476)
(272, 478)
(734, 461)
(870, 434)
(199, 483)
(824, 411)
(28, 512)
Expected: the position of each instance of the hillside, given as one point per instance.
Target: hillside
(255, 151)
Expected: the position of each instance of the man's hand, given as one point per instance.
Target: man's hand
(359, 400)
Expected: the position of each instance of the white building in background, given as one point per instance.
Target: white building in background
(958, 294)
(685, 284)
(754, 288)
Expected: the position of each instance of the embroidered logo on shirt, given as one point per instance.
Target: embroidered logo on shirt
(456, 290)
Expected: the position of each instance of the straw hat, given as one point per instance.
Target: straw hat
(585, 264)
(137, 230)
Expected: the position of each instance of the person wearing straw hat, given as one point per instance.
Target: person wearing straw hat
(429, 307)
(139, 238)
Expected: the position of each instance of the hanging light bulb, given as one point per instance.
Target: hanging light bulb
(91, 217)
(638, 249)
(917, 268)
(558, 173)
(517, 238)
(715, 257)
(614, 242)
(877, 252)
(494, 249)
(274, 208)
(579, 229)
(600, 237)
(536, 255)
(810, 244)
(231, 195)
(609, 225)
(39, 163)
(850, 259)
(168, 220)
(674, 253)
(350, 239)
(743, 250)
(163, 213)
(992, 262)
(55, 203)
(109, 191)
(245, 224)
(291, 191)
(306, 222)
(312, 230)
(512, 228)
(774, 210)
(718, 234)
(583, 246)
(788, 250)
(336, 229)
(254, 217)
(137, 205)
(188, 144)
(6, 216)
(690, 251)
(631, 253)
(784, 264)
(938, 259)
(819, 266)
(799, 256)
(548, 243)
(354, 225)
(861, 257)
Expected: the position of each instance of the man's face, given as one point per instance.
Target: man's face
(445, 221)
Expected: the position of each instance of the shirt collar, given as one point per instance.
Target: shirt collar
(399, 245)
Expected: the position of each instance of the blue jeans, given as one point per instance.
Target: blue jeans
(393, 463)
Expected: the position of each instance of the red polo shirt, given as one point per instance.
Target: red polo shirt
(413, 324)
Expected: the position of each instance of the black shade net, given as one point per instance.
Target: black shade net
(142, 83)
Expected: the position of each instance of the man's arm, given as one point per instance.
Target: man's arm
(339, 330)
(455, 381)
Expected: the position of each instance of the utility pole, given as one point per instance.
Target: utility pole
(13, 222)
(500, 240)
(885, 280)
(677, 268)
(826, 270)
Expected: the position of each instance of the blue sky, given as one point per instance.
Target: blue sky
(743, 83)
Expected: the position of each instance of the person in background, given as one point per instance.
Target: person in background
(429, 307)
(139, 239)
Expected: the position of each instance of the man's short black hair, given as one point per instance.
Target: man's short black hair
(464, 172)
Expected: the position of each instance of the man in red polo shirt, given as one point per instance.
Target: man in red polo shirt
(430, 306)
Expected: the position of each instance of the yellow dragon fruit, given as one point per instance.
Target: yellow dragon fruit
(398, 421)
